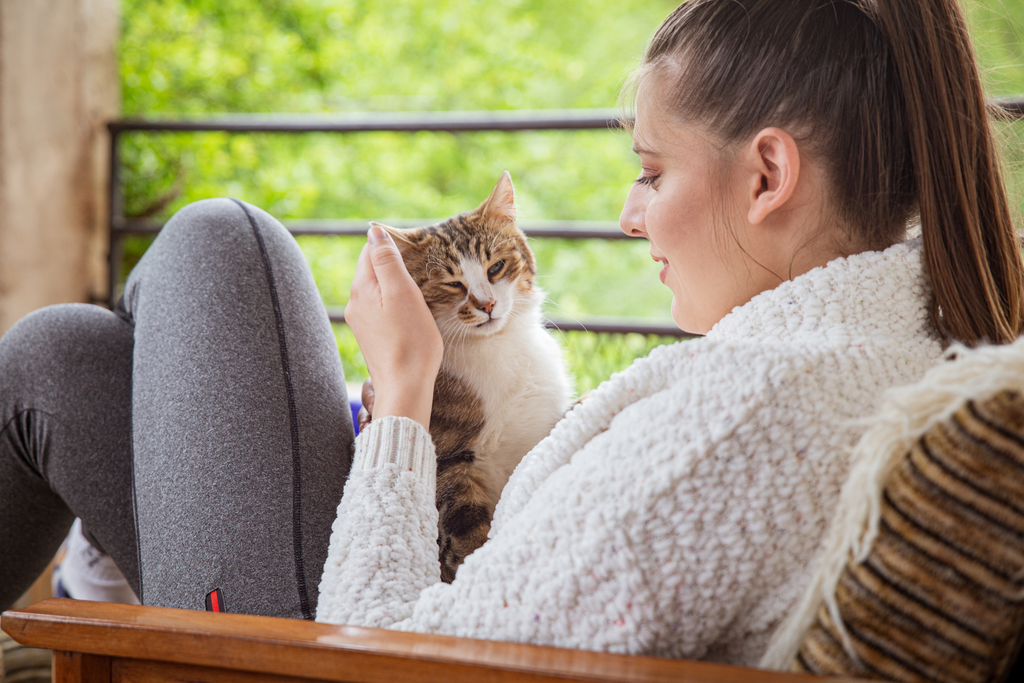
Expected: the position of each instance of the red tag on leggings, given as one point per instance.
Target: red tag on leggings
(215, 601)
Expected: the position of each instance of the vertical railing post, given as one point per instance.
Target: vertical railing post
(116, 200)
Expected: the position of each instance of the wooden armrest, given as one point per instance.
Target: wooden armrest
(110, 643)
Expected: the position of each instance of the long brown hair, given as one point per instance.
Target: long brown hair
(887, 94)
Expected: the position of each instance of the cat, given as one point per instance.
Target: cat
(503, 383)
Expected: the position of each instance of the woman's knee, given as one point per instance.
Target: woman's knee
(208, 221)
(212, 246)
(44, 343)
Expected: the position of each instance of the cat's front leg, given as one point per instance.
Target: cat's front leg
(464, 510)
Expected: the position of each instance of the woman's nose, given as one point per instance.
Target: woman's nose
(631, 220)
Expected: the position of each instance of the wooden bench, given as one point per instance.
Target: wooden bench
(96, 642)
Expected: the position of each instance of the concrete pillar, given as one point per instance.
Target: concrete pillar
(58, 87)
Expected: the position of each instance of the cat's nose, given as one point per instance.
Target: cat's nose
(487, 307)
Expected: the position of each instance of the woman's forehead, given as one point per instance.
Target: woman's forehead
(660, 132)
(649, 119)
(656, 132)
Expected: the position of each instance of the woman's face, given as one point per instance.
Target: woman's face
(687, 209)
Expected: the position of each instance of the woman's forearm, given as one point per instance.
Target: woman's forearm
(383, 548)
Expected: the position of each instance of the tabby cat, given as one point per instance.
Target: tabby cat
(502, 384)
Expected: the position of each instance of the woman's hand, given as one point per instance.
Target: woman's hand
(395, 331)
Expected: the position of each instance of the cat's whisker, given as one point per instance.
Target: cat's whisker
(562, 310)
(571, 317)
(494, 247)
(456, 332)
(495, 239)
(457, 345)
(434, 263)
(448, 328)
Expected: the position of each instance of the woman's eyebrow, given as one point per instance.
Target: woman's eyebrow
(637, 149)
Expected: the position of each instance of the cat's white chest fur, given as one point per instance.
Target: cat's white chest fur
(520, 378)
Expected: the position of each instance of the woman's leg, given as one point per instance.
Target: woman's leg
(240, 430)
(65, 439)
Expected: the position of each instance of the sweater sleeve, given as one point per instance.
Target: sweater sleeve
(383, 548)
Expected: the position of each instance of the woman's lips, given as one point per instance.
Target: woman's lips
(664, 268)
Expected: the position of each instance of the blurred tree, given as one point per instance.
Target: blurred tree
(202, 57)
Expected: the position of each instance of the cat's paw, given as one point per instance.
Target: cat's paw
(455, 548)
(366, 412)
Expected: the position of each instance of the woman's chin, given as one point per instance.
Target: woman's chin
(686, 321)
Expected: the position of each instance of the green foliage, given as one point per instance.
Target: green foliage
(217, 57)
(997, 27)
(592, 358)
(206, 56)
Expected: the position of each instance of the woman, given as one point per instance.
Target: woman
(785, 149)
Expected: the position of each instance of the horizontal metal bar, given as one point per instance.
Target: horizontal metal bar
(622, 326)
(452, 122)
(573, 230)
(612, 327)
(1010, 109)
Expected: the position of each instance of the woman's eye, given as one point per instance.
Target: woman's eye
(458, 286)
(495, 269)
(646, 179)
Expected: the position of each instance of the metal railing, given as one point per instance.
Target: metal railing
(442, 122)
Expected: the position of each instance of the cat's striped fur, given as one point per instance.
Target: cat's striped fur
(502, 385)
(940, 597)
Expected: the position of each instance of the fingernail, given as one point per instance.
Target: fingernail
(375, 234)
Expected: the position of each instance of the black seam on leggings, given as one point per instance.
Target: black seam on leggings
(122, 312)
(135, 507)
(293, 419)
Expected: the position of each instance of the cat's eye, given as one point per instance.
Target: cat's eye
(495, 269)
(458, 286)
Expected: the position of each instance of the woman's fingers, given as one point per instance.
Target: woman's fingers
(395, 330)
(385, 258)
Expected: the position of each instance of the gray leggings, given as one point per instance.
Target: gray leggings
(201, 431)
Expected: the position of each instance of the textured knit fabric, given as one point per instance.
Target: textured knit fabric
(677, 510)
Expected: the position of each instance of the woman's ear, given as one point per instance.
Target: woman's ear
(774, 172)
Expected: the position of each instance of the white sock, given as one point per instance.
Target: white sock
(88, 574)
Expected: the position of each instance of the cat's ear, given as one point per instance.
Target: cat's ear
(405, 238)
(501, 204)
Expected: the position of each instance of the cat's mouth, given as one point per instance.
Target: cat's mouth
(487, 322)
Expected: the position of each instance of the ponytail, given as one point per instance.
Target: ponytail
(890, 97)
(972, 254)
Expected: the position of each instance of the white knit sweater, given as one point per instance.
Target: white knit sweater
(677, 511)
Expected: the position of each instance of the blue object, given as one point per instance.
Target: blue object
(355, 405)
